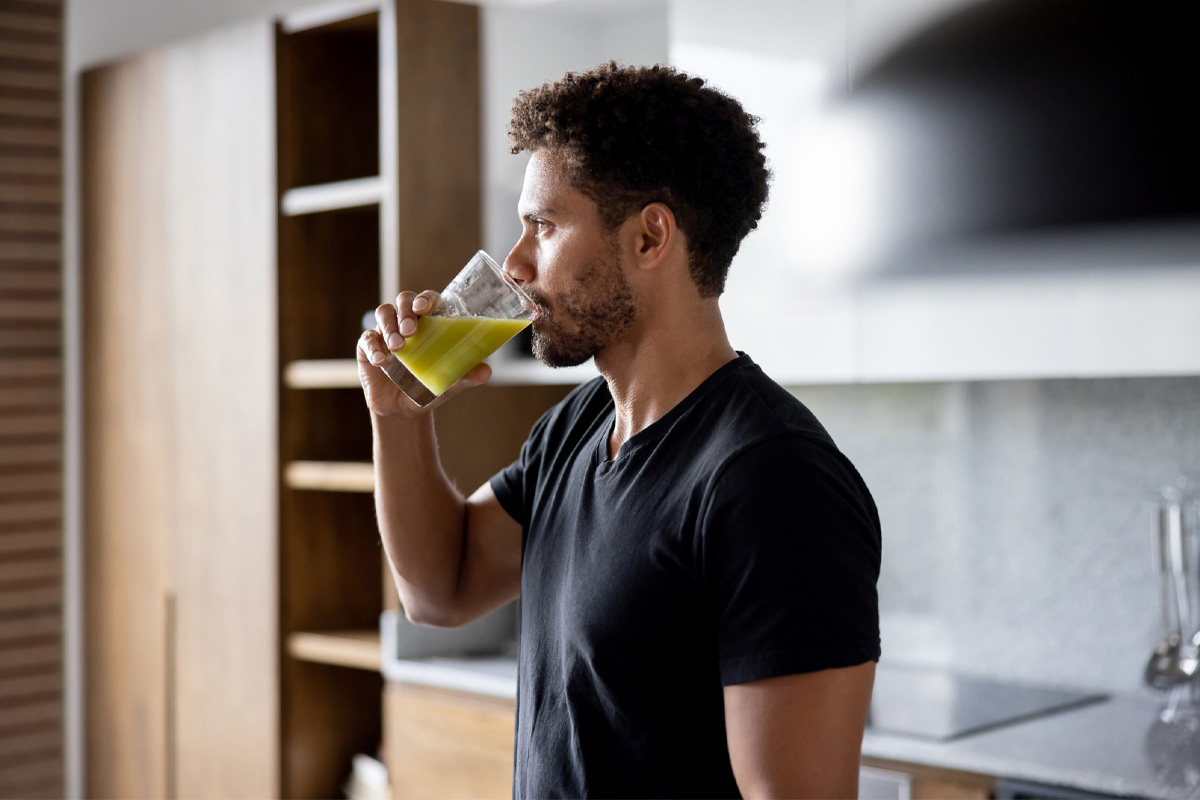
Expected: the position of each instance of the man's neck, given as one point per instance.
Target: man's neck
(654, 369)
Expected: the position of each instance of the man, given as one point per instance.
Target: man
(696, 560)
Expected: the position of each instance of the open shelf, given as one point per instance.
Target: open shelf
(322, 373)
(332, 196)
(329, 275)
(331, 476)
(510, 370)
(342, 373)
(355, 648)
(328, 70)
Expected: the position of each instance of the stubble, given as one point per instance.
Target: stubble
(600, 304)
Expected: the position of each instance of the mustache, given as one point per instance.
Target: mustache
(539, 300)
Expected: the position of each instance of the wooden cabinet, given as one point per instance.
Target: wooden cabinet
(447, 744)
(181, 660)
(932, 783)
(444, 743)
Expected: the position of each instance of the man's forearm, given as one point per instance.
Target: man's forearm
(421, 516)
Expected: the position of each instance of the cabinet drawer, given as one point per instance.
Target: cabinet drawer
(441, 743)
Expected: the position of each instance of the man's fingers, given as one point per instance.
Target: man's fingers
(426, 302)
(385, 317)
(481, 374)
(371, 348)
(406, 319)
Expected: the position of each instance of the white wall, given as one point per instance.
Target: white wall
(526, 47)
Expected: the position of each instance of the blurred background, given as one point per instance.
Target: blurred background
(979, 267)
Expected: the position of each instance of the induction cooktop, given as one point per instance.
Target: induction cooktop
(940, 705)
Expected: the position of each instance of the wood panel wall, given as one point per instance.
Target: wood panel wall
(31, 418)
(180, 406)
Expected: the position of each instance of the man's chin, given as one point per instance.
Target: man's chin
(556, 357)
(557, 361)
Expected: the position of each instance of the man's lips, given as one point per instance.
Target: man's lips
(540, 312)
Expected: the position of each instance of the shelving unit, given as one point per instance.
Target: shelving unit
(330, 476)
(332, 196)
(235, 594)
(329, 229)
(515, 370)
(325, 373)
(357, 649)
(507, 370)
(378, 180)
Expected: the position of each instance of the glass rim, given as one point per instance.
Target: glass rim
(504, 276)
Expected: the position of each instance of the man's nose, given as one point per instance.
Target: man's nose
(518, 265)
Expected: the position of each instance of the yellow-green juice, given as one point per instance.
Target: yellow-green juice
(445, 348)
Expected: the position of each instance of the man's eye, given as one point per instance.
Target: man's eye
(541, 226)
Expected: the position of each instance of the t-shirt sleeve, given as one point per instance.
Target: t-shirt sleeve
(790, 552)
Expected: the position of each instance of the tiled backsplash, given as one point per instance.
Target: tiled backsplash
(1017, 518)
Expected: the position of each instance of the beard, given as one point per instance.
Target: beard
(601, 306)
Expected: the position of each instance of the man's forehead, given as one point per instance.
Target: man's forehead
(547, 183)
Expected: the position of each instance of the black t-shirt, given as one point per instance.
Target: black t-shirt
(727, 542)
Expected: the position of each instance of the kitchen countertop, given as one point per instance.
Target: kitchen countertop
(1101, 747)
(491, 676)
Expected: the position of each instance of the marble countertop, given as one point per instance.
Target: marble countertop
(495, 676)
(1117, 746)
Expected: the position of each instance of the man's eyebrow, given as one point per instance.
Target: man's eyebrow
(534, 213)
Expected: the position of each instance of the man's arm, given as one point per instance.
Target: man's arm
(453, 559)
(799, 735)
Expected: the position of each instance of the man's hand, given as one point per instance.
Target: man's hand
(799, 735)
(395, 323)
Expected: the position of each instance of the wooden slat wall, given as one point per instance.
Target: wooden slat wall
(31, 419)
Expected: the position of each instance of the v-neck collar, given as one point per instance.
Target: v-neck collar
(657, 429)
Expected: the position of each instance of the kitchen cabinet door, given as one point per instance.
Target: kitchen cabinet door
(442, 743)
(180, 421)
(219, 145)
(127, 436)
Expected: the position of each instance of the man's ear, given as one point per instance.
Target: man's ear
(655, 235)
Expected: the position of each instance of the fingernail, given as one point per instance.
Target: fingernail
(395, 342)
(408, 327)
(420, 303)
(376, 357)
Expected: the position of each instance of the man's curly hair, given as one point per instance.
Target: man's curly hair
(638, 135)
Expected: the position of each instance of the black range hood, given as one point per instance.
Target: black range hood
(1032, 134)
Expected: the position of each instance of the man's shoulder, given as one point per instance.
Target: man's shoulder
(750, 407)
(767, 442)
(751, 426)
